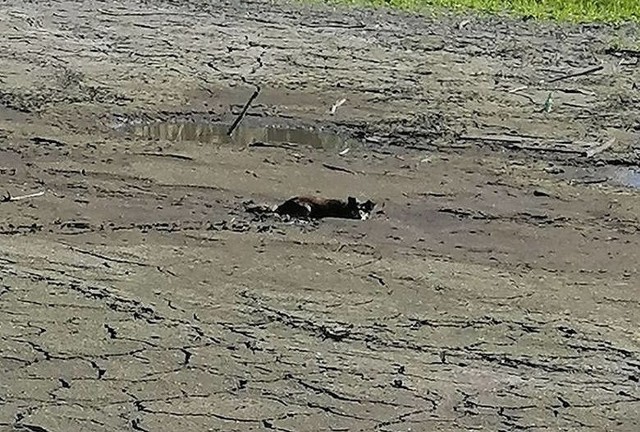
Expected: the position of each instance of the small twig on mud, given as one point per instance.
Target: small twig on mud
(142, 13)
(377, 279)
(622, 52)
(337, 105)
(107, 258)
(9, 198)
(338, 168)
(600, 148)
(576, 90)
(498, 138)
(334, 24)
(591, 181)
(41, 140)
(517, 89)
(548, 103)
(244, 111)
(521, 143)
(357, 266)
(577, 74)
(147, 26)
(284, 145)
(167, 155)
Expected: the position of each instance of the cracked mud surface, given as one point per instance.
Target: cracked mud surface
(493, 291)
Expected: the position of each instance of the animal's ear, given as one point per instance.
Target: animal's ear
(351, 201)
(369, 205)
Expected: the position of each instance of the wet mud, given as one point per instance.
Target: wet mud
(494, 287)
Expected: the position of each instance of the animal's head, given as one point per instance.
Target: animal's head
(358, 210)
(365, 209)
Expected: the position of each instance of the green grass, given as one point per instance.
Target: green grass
(610, 11)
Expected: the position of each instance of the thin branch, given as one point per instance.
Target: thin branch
(244, 111)
(107, 258)
(600, 148)
(9, 198)
(167, 155)
(577, 74)
(338, 168)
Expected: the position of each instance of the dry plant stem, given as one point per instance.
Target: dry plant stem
(244, 111)
(577, 74)
(9, 198)
(600, 148)
(338, 168)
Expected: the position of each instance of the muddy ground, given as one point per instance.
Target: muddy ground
(496, 287)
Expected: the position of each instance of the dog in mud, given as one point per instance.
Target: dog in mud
(310, 207)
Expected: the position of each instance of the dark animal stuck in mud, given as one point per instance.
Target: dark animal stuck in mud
(313, 207)
(319, 208)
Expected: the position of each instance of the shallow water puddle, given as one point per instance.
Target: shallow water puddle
(624, 176)
(613, 175)
(214, 133)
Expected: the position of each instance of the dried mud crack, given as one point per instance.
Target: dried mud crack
(494, 286)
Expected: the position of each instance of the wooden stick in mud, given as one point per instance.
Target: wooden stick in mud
(520, 143)
(600, 148)
(9, 198)
(244, 111)
(166, 155)
(338, 168)
(577, 74)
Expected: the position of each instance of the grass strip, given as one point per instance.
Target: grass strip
(583, 11)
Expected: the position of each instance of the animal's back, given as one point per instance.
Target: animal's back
(314, 207)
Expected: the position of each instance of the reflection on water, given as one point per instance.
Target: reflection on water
(626, 177)
(217, 134)
(608, 174)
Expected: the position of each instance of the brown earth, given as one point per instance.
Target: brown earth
(496, 287)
